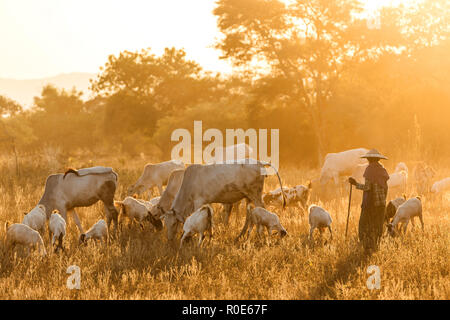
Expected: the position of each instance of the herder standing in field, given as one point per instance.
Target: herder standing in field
(374, 201)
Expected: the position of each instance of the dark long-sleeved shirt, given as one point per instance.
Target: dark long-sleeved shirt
(374, 194)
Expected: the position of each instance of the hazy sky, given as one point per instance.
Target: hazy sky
(48, 37)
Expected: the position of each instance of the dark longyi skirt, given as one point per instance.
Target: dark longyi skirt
(371, 227)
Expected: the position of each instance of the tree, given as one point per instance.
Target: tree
(9, 107)
(306, 45)
(60, 118)
(140, 88)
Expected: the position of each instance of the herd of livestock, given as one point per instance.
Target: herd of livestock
(191, 189)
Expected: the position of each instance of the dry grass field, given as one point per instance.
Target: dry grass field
(142, 265)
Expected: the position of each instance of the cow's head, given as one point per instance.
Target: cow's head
(157, 211)
(171, 220)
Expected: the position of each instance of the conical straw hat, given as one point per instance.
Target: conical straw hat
(374, 154)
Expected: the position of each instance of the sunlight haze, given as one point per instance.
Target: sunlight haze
(49, 37)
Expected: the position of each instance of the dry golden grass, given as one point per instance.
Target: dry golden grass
(142, 265)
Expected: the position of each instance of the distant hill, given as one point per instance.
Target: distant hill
(23, 91)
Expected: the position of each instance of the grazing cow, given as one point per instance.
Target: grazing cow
(297, 195)
(81, 188)
(423, 175)
(341, 164)
(155, 175)
(173, 185)
(216, 183)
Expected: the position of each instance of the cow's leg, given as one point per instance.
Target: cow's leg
(76, 219)
(107, 197)
(200, 240)
(247, 221)
(227, 208)
(311, 230)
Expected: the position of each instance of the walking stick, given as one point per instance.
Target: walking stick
(348, 212)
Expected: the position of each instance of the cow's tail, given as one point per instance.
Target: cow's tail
(71, 170)
(267, 164)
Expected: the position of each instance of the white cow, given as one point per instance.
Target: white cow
(216, 183)
(164, 203)
(341, 164)
(155, 175)
(81, 188)
(358, 172)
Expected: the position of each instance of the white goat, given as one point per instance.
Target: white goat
(320, 219)
(36, 219)
(199, 222)
(260, 218)
(57, 229)
(406, 212)
(398, 180)
(401, 166)
(19, 233)
(138, 210)
(99, 231)
(441, 186)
